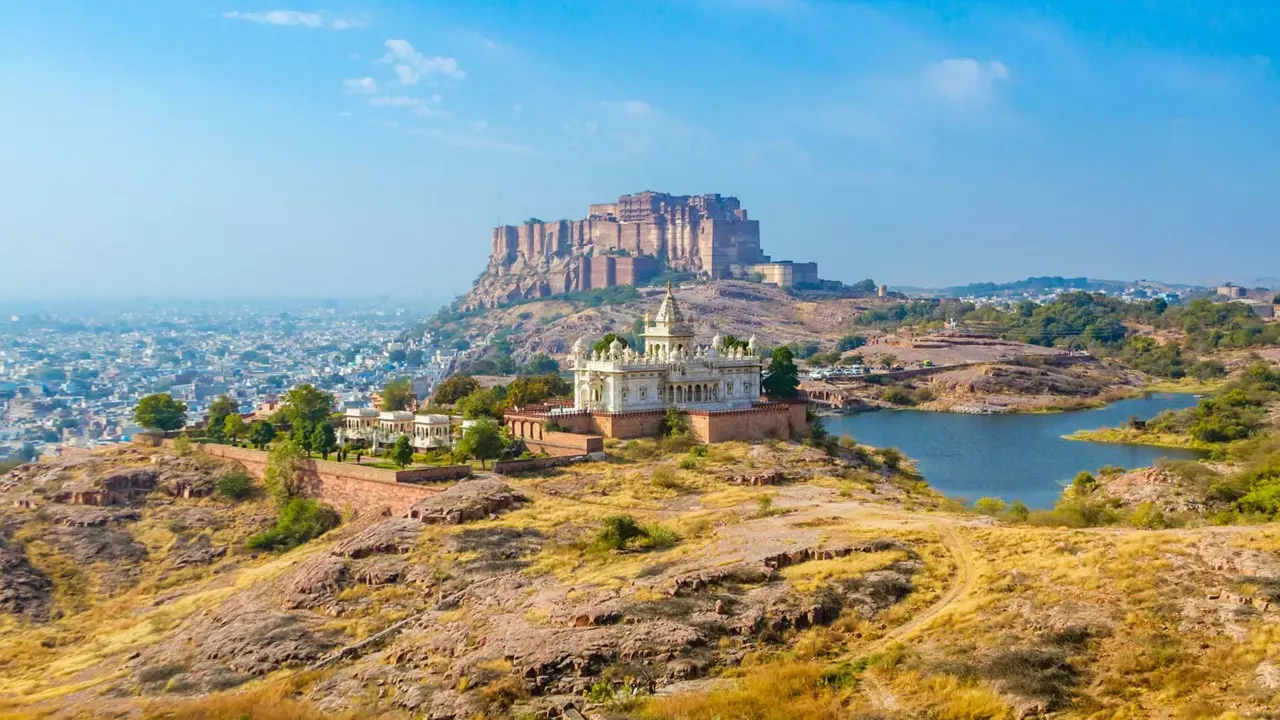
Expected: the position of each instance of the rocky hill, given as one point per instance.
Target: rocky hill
(621, 243)
(764, 581)
(727, 306)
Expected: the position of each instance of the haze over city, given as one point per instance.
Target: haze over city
(230, 149)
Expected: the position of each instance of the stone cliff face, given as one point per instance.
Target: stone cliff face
(621, 243)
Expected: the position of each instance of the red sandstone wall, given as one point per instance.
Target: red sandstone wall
(367, 490)
(745, 425)
(627, 425)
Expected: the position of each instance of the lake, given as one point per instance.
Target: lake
(1014, 457)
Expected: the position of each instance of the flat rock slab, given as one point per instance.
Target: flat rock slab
(467, 501)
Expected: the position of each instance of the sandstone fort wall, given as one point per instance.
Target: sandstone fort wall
(343, 485)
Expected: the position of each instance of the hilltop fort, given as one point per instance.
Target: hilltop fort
(629, 242)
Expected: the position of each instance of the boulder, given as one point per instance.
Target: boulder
(467, 501)
(394, 536)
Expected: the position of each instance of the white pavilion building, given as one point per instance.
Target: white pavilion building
(671, 371)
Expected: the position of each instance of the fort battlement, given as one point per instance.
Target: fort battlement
(621, 243)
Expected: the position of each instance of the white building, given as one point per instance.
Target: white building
(672, 370)
(425, 432)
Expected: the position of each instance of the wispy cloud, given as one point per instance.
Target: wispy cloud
(295, 18)
(361, 85)
(964, 80)
(420, 106)
(412, 66)
(474, 141)
(632, 108)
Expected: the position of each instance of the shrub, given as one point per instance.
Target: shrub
(891, 457)
(897, 396)
(1084, 483)
(658, 536)
(1148, 517)
(689, 463)
(698, 451)
(1018, 511)
(674, 423)
(622, 532)
(182, 446)
(665, 478)
(235, 485)
(990, 506)
(618, 530)
(299, 521)
(764, 506)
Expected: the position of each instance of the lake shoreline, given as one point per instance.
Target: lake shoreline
(1129, 436)
(1015, 456)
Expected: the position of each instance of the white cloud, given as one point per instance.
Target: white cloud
(418, 105)
(279, 17)
(294, 17)
(347, 24)
(361, 85)
(412, 65)
(634, 108)
(395, 101)
(963, 80)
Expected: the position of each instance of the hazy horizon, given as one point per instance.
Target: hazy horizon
(223, 150)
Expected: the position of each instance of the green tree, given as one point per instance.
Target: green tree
(602, 346)
(529, 390)
(324, 440)
(219, 410)
(454, 389)
(482, 441)
(160, 412)
(729, 342)
(261, 433)
(888, 361)
(397, 394)
(305, 406)
(673, 424)
(1084, 483)
(782, 378)
(283, 476)
(483, 403)
(850, 342)
(233, 427)
(991, 506)
(402, 452)
(541, 364)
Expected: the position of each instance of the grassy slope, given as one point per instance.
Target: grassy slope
(1088, 624)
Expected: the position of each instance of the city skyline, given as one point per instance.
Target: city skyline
(224, 149)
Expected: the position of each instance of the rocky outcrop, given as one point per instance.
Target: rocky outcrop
(397, 535)
(467, 501)
(24, 590)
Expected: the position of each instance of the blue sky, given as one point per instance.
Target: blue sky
(201, 148)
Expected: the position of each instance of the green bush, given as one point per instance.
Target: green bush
(618, 531)
(235, 485)
(299, 521)
(1148, 517)
(622, 532)
(897, 396)
(991, 506)
(698, 451)
(689, 463)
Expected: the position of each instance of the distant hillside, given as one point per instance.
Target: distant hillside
(1034, 284)
(729, 307)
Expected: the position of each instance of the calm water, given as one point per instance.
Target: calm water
(1015, 457)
